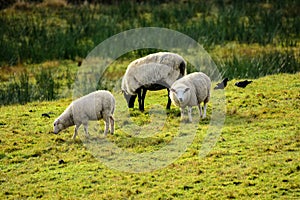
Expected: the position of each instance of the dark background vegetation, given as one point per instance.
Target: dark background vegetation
(33, 32)
(60, 30)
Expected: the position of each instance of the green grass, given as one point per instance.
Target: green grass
(256, 156)
(35, 32)
(46, 81)
(53, 80)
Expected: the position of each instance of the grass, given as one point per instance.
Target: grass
(256, 156)
(53, 80)
(37, 32)
(46, 81)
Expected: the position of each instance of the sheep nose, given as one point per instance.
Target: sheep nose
(180, 99)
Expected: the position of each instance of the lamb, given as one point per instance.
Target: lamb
(153, 72)
(190, 91)
(91, 107)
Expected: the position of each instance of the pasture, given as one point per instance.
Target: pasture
(256, 155)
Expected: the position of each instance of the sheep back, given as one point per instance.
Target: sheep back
(160, 68)
(166, 58)
(94, 106)
(147, 75)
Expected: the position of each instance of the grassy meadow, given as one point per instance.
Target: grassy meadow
(42, 42)
(256, 156)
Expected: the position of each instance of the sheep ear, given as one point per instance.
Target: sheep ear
(186, 89)
(172, 90)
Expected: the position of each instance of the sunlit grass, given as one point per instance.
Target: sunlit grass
(256, 156)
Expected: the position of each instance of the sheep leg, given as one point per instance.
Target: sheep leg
(204, 112)
(86, 127)
(76, 131)
(181, 114)
(139, 94)
(169, 100)
(200, 110)
(141, 98)
(106, 121)
(144, 91)
(190, 113)
(112, 124)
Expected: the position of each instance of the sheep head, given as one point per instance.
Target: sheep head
(180, 94)
(129, 99)
(58, 126)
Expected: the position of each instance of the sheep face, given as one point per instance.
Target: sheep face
(129, 99)
(180, 94)
(58, 126)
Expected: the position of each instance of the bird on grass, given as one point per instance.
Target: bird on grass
(61, 162)
(242, 84)
(221, 85)
(46, 115)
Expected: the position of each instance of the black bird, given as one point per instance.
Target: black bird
(242, 84)
(45, 115)
(222, 85)
(61, 162)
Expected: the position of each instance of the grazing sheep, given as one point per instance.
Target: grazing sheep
(153, 72)
(190, 91)
(94, 106)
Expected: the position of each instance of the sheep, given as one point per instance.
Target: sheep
(191, 90)
(153, 72)
(91, 107)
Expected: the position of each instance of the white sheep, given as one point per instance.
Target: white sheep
(94, 106)
(153, 72)
(190, 91)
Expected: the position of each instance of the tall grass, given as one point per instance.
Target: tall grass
(260, 65)
(34, 33)
(40, 85)
(16, 91)
(38, 33)
(48, 84)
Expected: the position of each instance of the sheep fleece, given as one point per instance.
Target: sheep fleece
(94, 106)
(199, 84)
(161, 68)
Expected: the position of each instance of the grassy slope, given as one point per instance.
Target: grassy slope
(257, 155)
